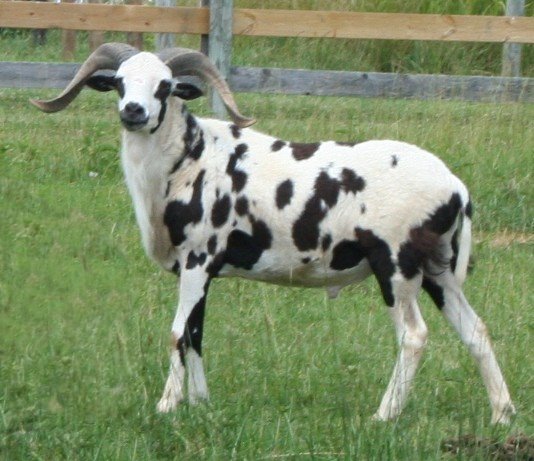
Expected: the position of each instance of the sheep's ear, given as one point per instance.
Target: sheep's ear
(102, 82)
(186, 91)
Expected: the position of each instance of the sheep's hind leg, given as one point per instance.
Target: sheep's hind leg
(449, 297)
(411, 332)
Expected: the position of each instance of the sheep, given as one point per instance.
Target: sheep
(218, 199)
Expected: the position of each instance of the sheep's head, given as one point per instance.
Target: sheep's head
(144, 81)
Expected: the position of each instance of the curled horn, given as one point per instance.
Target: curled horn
(182, 61)
(107, 56)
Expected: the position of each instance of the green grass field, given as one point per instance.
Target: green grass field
(85, 316)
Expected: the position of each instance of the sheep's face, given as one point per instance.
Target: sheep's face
(144, 83)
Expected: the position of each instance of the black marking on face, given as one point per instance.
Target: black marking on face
(394, 161)
(435, 291)
(284, 193)
(306, 260)
(193, 260)
(326, 242)
(346, 255)
(244, 250)
(241, 206)
(221, 211)
(164, 90)
(378, 254)
(178, 214)
(303, 151)
(212, 244)
(363, 208)
(236, 131)
(161, 116)
(239, 177)
(120, 86)
(278, 145)
(162, 93)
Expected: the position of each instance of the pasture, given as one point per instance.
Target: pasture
(85, 317)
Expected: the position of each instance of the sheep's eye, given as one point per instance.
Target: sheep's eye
(164, 90)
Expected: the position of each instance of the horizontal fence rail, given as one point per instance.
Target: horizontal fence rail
(310, 82)
(390, 26)
(378, 84)
(272, 23)
(113, 18)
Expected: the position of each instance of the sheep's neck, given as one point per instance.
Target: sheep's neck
(148, 160)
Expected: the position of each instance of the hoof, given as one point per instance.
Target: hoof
(503, 416)
(167, 404)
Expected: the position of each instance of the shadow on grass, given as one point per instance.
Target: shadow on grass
(516, 447)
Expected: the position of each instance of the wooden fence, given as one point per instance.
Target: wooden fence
(285, 23)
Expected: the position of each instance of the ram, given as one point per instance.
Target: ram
(218, 199)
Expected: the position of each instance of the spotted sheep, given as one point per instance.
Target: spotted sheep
(218, 199)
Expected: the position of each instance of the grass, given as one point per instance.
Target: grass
(85, 317)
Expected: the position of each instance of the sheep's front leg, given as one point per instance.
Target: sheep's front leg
(187, 341)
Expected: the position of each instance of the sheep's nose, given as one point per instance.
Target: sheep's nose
(133, 116)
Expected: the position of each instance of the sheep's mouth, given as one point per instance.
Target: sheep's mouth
(133, 125)
(133, 116)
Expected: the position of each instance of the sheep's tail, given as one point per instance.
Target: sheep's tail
(463, 241)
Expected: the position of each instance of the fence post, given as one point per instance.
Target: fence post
(511, 55)
(204, 38)
(220, 45)
(97, 37)
(135, 38)
(68, 41)
(165, 40)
